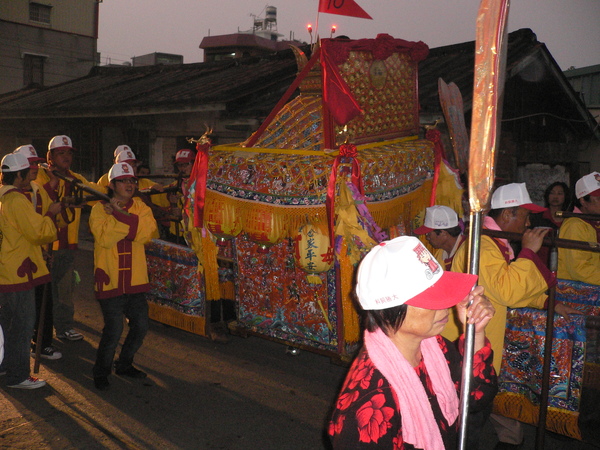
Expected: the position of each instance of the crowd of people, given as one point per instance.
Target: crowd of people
(39, 232)
(395, 394)
(402, 390)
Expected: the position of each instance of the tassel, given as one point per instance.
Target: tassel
(211, 268)
(314, 279)
(351, 320)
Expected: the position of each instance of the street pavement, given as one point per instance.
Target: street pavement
(199, 394)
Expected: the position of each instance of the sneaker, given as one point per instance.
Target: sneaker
(48, 353)
(29, 383)
(131, 372)
(70, 335)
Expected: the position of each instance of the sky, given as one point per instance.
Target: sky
(128, 28)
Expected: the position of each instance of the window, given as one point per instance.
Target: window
(39, 13)
(33, 70)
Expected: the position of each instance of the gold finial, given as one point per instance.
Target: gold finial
(431, 126)
(342, 136)
(204, 139)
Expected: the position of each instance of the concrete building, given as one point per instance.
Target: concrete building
(262, 39)
(44, 43)
(156, 58)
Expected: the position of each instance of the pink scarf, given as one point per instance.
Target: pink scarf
(419, 427)
(491, 224)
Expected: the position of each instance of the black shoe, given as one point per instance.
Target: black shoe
(101, 383)
(131, 372)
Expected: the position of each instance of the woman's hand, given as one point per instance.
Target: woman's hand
(479, 313)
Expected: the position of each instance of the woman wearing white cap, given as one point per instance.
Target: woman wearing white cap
(402, 389)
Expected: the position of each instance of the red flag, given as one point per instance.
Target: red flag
(336, 93)
(343, 8)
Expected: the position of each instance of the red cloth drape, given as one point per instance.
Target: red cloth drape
(199, 175)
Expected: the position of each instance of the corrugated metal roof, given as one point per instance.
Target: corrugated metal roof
(455, 63)
(165, 88)
(535, 85)
(244, 84)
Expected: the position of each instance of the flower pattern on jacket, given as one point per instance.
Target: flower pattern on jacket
(367, 414)
(373, 418)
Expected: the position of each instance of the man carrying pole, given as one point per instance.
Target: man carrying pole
(22, 232)
(509, 281)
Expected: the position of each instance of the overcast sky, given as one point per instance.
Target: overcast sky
(569, 28)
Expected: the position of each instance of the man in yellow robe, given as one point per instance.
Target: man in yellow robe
(579, 265)
(510, 281)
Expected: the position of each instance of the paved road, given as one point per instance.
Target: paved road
(246, 394)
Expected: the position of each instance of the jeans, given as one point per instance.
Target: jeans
(63, 284)
(135, 308)
(17, 317)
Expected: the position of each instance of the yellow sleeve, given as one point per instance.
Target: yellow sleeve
(147, 227)
(103, 183)
(578, 265)
(37, 229)
(515, 285)
(107, 230)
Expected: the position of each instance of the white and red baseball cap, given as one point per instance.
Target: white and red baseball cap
(13, 162)
(59, 142)
(125, 156)
(185, 156)
(588, 185)
(402, 271)
(121, 148)
(514, 194)
(29, 152)
(120, 171)
(438, 217)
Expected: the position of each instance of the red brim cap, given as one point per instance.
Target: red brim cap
(422, 230)
(533, 207)
(450, 289)
(595, 193)
(33, 161)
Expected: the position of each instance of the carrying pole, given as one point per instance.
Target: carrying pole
(541, 428)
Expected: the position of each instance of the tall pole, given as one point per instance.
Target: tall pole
(488, 87)
(541, 428)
